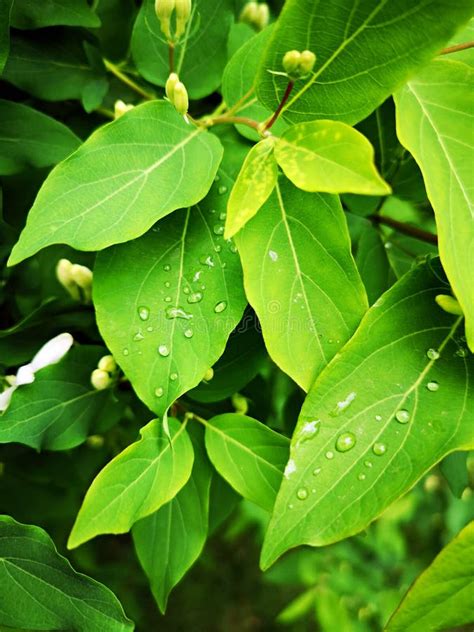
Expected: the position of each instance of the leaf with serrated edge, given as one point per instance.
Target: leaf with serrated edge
(41, 590)
(301, 279)
(137, 482)
(255, 182)
(387, 373)
(434, 122)
(248, 455)
(441, 597)
(331, 157)
(126, 176)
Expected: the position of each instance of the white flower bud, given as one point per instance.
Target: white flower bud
(5, 398)
(262, 17)
(183, 12)
(107, 363)
(449, 304)
(100, 379)
(82, 276)
(291, 61)
(180, 98)
(51, 352)
(249, 13)
(120, 108)
(63, 274)
(25, 375)
(171, 82)
(208, 375)
(164, 10)
(307, 61)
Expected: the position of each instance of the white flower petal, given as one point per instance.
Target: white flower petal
(5, 398)
(25, 375)
(52, 352)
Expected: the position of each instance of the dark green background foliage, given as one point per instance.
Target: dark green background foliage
(281, 438)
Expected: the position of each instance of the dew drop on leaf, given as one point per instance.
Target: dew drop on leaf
(177, 312)
(167, 299)
(273, 255)
(379, 449)
(432, 386)
(462, 353)
(361, 476)
(378, 417)
(344, 404)
(188, 333)
(125, 351)
(167, 267)
(316, 471)
(309, 430)
(433, 354)
(159, 392)
(329, 454)
(402, 416)
(138, 336)
(207, 260)
(218, 229)
(220, 307)
(173, 377)
(222, 189)
(302, 493)
(163, 351)
(368, 463)
(143, 313)
(186, 290)
(167, 284)
(222, 216)
(345, 441)
(195, 297)
(218, 248)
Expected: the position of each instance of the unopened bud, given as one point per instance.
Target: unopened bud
(291, 61)
(82, 276)
(180, 98)
(107, 363)
(183, 12)
(307, 61)
(164, 10)
(262, 17)
(248, 13)
(63, 274)
(240, 403)
(171, 82)
(449, 304)
(208, 375)
(100, 379)
(120, 108)
(95, 442)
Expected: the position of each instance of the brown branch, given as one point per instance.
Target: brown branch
(406, 229)
(284, 99)
(457, 48)
(171, 56)
(238, 120)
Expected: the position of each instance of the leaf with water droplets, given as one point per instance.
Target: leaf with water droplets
(249, 455)
(137, 482)
(191, 307)
(393, 421)
(301, 279)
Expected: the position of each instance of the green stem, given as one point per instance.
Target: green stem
(238, 120)
(284, 99)
(406, 229)
(111, 67)
(457, 48)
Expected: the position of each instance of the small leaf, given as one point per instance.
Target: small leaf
(255, 182)
(249, 455)
(331, 157)
(441, 597)
(40, 590)
(388, 408)
(137, 482)
(301, 279)
(125, 177)
(29, 14)
(5, 8)
(372, 262)
(29, 138)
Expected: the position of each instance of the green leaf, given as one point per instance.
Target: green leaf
(169, 541)
(249, 455)
(40, 590)
(137, 482)
(29, 14)
(390, 406)
(454, 469)
(441, 597)
(464, 36)
(126, 176)
(434, 122)
(255, 182)
(29, 138)
(116, 16)
(200, 56)
(60, 408)
(372, 262)
(364, 51)
(5, 8)
(330, 157)
(53, 66)
(301, 279)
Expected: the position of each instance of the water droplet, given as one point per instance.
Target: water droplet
(144, 313)
(173, 377)
(212, 211)
(138, 336)
(308, 430)
(149, 328)
(217, 178)
(218, 229)
(361, 476)
(302, 493)
(222, 216)
(462, 352)
(220, 307)
(329, 455)
(167, 267)
(188, 333)
(316, 471)
(167, 299)
(218, 248)
(378, 417)
(195, 297)
(195, 278)
(203, 287)
(159, 392)
(186, 290)
(345, 441)
(273, 255)
(433, 354)
(290, 468)
(290, 506)
(207, 260)
(177, 312)
(163, 351)
(222, 189)
(368, 464)
(233, 248)
(342, 405)
(379, 449)
(125, 351)
(402, 416)
(432, 386)
(167, 284)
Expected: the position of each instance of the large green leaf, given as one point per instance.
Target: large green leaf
(60, 408)
(390, 406)
(169, 541)
(249, 455)
(434, 122)
(201, 55)
(301, 279)
(5, 8)
(30, 14)
(364, 51)
(39, 589)
(441, 597)
(137, 482)
(331, 157)
(29, 138)
(125, 177)
(167, 302)
(372, 262)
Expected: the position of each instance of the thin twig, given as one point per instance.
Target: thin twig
(238, 120)
(406, 229)
(277, 112)
(457, 48)
(127, 81)
(171, 56)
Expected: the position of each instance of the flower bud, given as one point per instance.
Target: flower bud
(449, 304)
(164, 10)
(240, 403)
(63, 274)
(95, 442)
(52, 352)
(208, 375)
(120, 108)
(100, 379)
(262, 17)
(107, 363)
(307, 61)
(5, 398)
(171, 82)
(180, 98)
(291, 61)
(25, 375)
(82, 276)
(183, 12)
(249, 13)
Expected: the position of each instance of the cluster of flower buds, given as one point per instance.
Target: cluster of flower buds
(76, 279)
(449, 304)
(164, 11)
(298, 64)
(105, 374)
(177, 94)
(256, 15)
(120, 107)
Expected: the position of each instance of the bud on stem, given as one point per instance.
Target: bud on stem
(171, 82)
(164, 10)
(180, 98)
(297, 64)
(183, 13)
